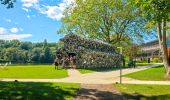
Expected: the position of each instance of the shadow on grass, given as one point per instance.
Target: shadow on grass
(35, 91)
(137, 96)
(101, 69)
(94, 94)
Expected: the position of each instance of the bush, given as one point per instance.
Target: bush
(156, 60)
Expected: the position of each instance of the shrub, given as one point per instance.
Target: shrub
(156, 60)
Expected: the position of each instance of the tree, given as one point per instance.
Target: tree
(111, 21)
(47, 55)
(45, 44)
(8, 3)
(35, 56)
(157, 13)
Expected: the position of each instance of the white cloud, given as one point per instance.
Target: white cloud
(28, 16)
(3, 30)
(14, 36)
(53, 12)
(8, 34)
(25, 9)
(14, 30)
(29, 3)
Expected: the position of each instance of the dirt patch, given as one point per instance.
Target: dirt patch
(98, 92)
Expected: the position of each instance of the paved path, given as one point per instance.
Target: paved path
(108, 77)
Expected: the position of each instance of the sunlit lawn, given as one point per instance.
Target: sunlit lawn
(91, 70)
(144, 64)
(85, 71)
(32, 72)
(37, 91)
(144, 92)
(155, 73)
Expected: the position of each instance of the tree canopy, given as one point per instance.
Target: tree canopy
(157, 14)
(111, 21)
(27, 52)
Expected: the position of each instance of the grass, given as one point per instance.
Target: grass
(144, 92)
(32, 72)
(143, 64)
(37, 91)
(155, 74)
(85, 71)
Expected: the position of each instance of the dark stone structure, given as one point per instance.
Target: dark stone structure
(87, 52)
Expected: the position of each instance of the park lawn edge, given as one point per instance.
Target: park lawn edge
(33, 72)
(150, 74)
(66, 90)
(144, 91)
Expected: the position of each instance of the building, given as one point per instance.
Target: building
(89, 53)
(151, 50)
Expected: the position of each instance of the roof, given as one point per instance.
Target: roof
(86, 39)
(156, 42)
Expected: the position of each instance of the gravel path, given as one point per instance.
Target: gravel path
(98, 92)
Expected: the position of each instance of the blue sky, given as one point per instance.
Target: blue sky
(32, 20)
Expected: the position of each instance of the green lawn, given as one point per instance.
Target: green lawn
(144, 92)
(155, 73)
(85, 71)
(37, 91)
(143, 64)
(32, 72)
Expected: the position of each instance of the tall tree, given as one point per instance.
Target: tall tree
(111, 21)
(157, 13)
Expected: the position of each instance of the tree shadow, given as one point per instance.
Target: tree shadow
(102, 69)
(35, 91)
(94, 94)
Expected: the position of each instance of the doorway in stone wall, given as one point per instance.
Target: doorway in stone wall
(72, 58)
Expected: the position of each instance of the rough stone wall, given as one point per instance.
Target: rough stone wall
(91, 59)
(90, 53)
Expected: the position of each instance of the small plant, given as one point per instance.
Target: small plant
(156, 60)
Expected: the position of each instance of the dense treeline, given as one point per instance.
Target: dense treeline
(16, 51)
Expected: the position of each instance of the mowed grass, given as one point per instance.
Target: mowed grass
(37, 91)
(91, 70)
(32, 72)
(143, 64)
(155, 74)
(144, 92)
(85, 71)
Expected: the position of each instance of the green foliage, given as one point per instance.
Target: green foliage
(156, 60)
(111, 21)
(8, 3)
(37, 91)
(155, 74)
(144, 92)
(32, 72)
(24, 52)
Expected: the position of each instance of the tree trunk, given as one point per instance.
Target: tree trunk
(163, 46)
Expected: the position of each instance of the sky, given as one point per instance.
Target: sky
(32, 20)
